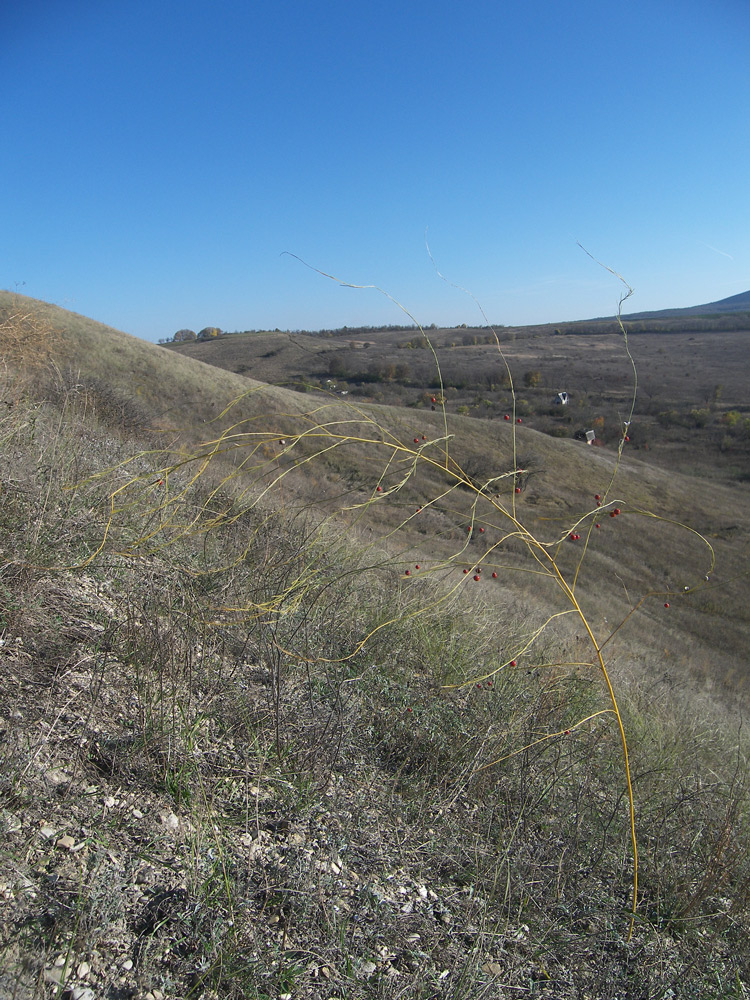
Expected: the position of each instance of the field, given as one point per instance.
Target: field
(692, 413)
(340, 692)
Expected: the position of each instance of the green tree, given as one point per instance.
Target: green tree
(336, 367)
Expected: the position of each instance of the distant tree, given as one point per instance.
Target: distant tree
(700, 417)
(336, 367)
(182, 336)
(532, 378)
(209, 332)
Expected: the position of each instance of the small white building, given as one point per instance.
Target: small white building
(561, 399)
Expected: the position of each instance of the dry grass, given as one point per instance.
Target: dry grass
(260, 802)
(29, 344)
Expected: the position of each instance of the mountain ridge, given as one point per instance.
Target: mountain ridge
(731, 304)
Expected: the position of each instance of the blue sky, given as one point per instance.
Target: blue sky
(159, 158)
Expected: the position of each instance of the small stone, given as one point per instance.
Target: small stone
(67, 842)
(13, 822)
(57, 776)
(492, 969)
(83, 970)
(82, 993)
(127, 965)
(137, 814)
(59, 961)
(48, 832)
(367, 968)
(54, 976)
(109, 802)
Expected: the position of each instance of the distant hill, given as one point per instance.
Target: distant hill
(733, 304)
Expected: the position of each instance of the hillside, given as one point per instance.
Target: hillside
(303, 696)
(733, 304)
(182, 400)
(691, 416)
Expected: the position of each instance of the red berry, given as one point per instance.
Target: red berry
(408, 709)
(627, 438)
(465, 572)
(598, 503)
(424, 437)
(416, 440)
(513, 663)
(379, 489)
(597, 496)
(597, 525)
(666, 604)
(572, 537)
(518, 420)
(408, 572)
(506, 417)
(434, 399)
(567, 732)
(417, 566)
(479, 686)
(477, 578)
(494, 576)
(481, 531)
(489, 684)
(611, 513)
(617, 511)
(518, 489)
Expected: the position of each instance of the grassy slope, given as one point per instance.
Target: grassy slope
(706, 634)
(199, 722)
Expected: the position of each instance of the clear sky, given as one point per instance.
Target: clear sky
(158, 158)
